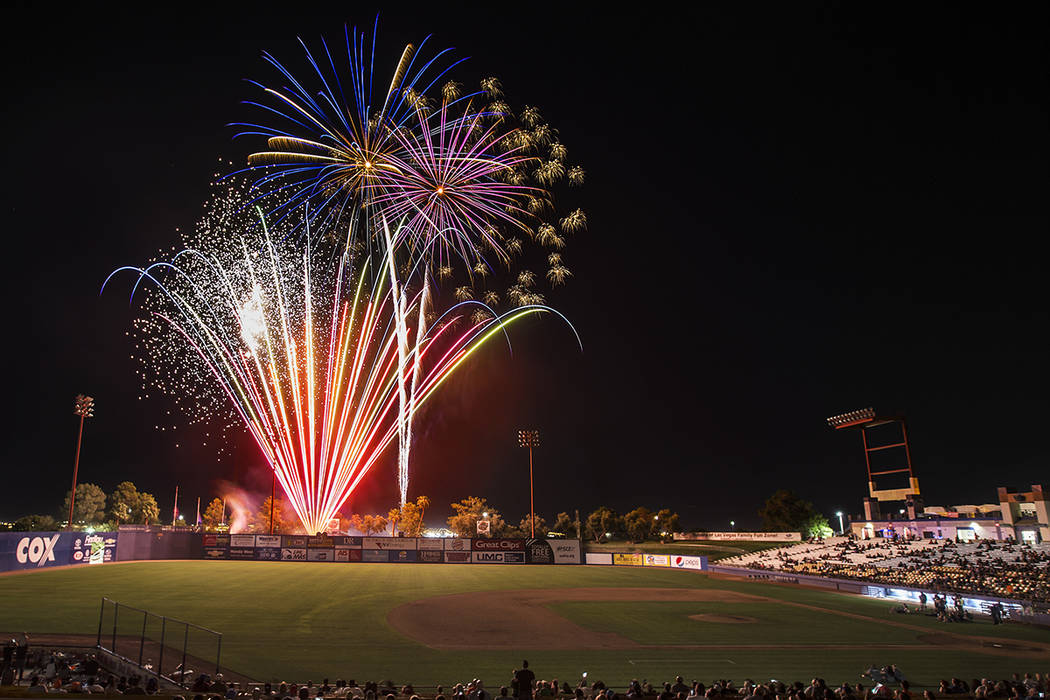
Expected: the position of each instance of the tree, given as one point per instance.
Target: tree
(147, 512)
(423, 503)
(35, 523)
(394, 516)
(214, 514)
(565, 525)
(122, 502)
(262, 519)
(601, 521)
(526, 529)
(666, 521)
(409, 517)
(467, 513)
(90, 506)
(817, 527)
(638, 523)
(786, 512)
(368, 524)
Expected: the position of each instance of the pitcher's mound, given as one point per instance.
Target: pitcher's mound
(729, 619)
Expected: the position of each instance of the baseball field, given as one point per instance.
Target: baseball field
(439, 624)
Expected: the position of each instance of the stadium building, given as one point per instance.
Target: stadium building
(1021, 516)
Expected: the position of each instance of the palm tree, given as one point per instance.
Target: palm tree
(422, 502)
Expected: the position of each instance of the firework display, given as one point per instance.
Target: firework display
(318, 318)
(464, 180)
(307, 353)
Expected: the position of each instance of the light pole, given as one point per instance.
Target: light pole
(842, 528)
(83, 406)
(530, 439)
(273, 494)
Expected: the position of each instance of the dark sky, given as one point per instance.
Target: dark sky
(791, 215)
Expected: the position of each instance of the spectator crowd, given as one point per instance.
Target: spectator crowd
(1004, 569)
(51, 671)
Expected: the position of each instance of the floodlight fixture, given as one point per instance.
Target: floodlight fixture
(851, 418)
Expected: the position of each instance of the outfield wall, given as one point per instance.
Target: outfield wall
(33, 550)
(397, 550)
(428, 550)
(667, 561)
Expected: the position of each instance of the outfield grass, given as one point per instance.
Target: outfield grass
(296, 621)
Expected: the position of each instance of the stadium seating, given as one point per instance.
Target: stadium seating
(1003, 569)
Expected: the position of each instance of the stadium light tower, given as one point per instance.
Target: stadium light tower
(273, 495)
(83, 406)
(530, 439)
(866, 419)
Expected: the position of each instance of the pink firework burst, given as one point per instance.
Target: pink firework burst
(448, 187)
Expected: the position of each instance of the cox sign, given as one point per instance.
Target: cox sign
(39, 550)
(33, 550)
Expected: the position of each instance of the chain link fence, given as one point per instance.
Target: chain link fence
(169, 648)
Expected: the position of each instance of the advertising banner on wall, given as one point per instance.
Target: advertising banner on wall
(318, 554)
(353, 542)
(375, 555)
(538, 552)
(319, 542)
(242, 540)
(294, 541)
(457, 557)
(389, 543)
(746, 536)
(242, 552)
(268, 541)
(293, 553)
(430, 543)
(566, 551)
(268, 553)
(429, 556)
(683, 562)
(347, 554)
(402, 556)
(627, 559)
(215, 552)
(212, 539)
(97, 548)
(497, 544)
(602, 558)
(487, 557)
(456, 544)
(656, 560)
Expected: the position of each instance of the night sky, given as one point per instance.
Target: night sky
(791, 215)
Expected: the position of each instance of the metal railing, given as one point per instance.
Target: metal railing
(139, 636)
